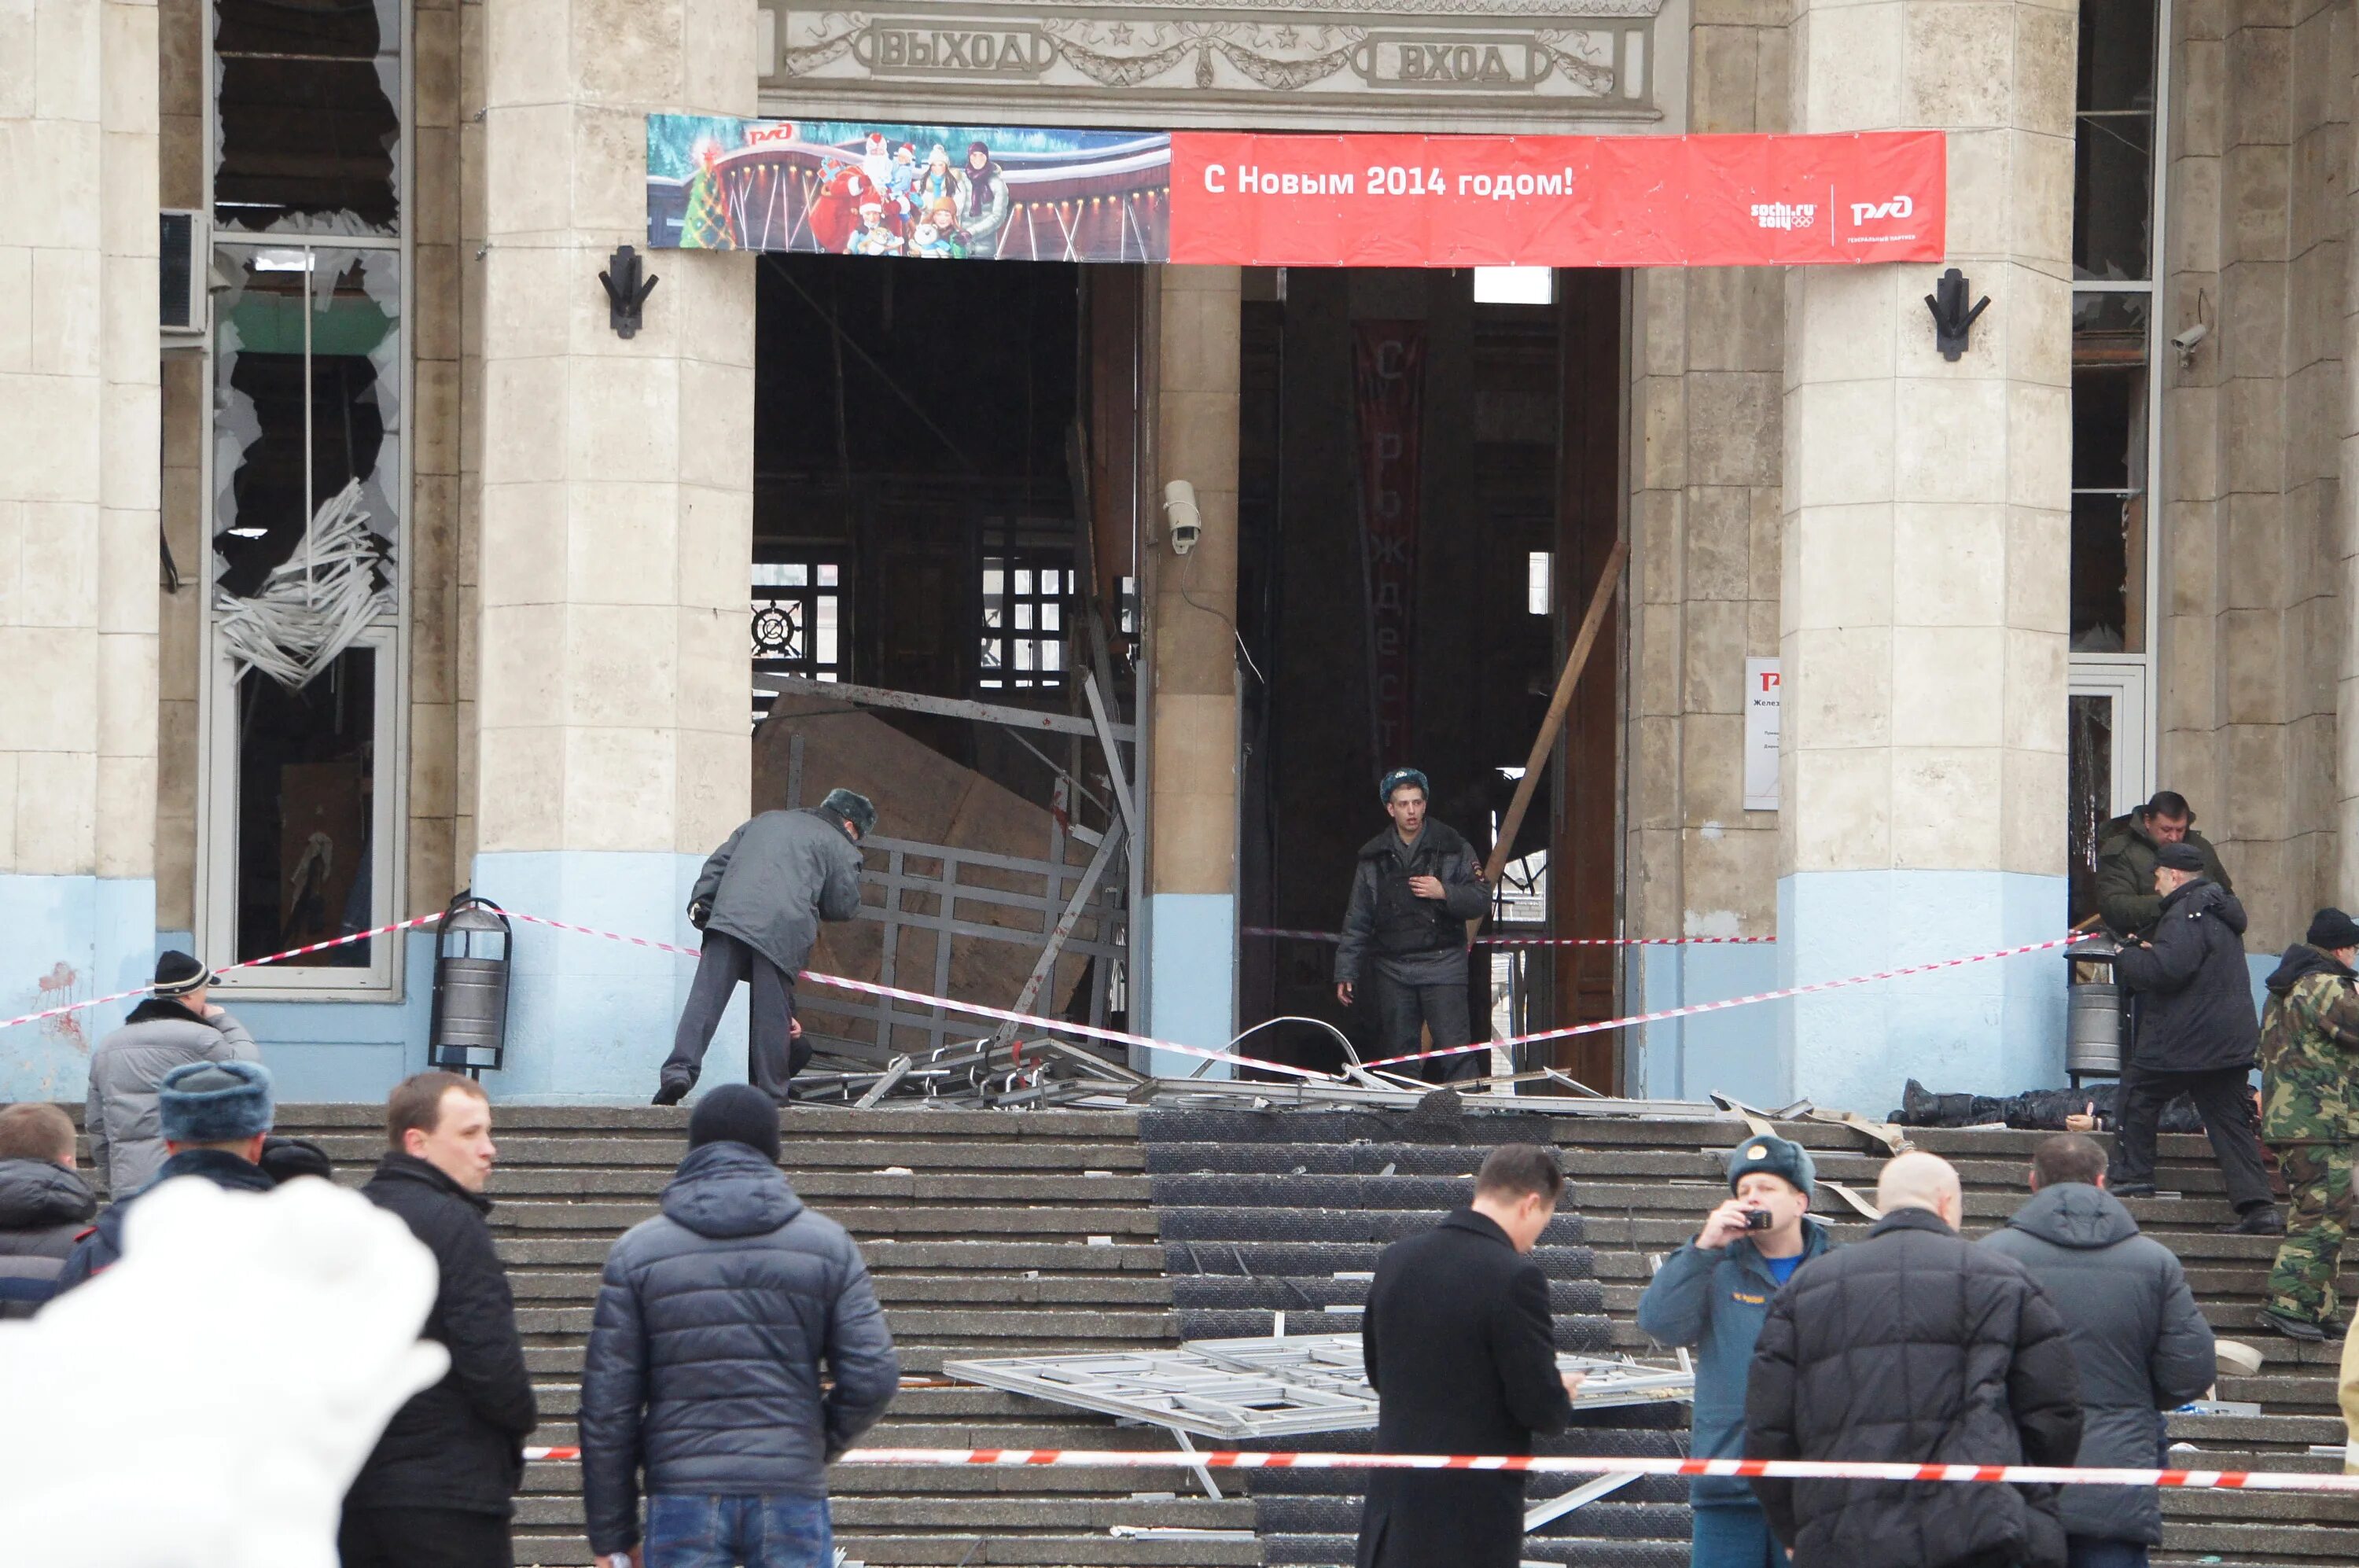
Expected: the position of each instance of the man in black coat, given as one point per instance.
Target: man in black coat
(2141, 1345)
(1461, 1349)
(717, 1320)
(44, 1204)
(1914, 1346)
(1413, 890)
(759, 901)
(2197, 1035)
(439, 1488)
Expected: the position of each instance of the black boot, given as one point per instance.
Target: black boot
(672, 1091)
(2262, 1219)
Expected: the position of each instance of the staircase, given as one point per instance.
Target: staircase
(996, 1232)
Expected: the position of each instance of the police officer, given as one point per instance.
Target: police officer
(2310, 1115)
(1413, 891)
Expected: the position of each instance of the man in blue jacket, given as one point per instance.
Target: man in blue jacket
(716, 1322)
(1713, 1295)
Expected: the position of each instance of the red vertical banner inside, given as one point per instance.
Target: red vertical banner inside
(1388, 405)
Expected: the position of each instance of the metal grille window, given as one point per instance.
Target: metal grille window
(1024, 594)
(798, 624)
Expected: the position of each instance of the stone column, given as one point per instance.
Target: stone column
(613, 744)
(77, 523)
(1192, 734)
(1925, 569)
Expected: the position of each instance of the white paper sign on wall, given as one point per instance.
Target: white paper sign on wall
(1760, 735)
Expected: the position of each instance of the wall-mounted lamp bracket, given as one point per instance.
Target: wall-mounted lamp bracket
(626, 291)
(1951, 318)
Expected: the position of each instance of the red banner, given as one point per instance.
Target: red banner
(1248, 200)
(1389, 402)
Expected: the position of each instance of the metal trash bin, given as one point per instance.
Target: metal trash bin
(468, 1032)
(2092, 1023)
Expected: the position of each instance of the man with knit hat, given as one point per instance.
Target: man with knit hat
(175, 1024)
(1713, 1295)
(702, 1383)
(760, 901)
(214, 1116)
(2310, 1116)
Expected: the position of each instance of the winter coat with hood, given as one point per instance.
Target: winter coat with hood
(2126, 849)
(1913, 1346)
(126, 1140)
(714, 1322)
(2310, 1043)
(1414, 940)
(43, 1208)
(777, 878)
(1715, 1302)
(459, 1445)
(2141, 1346)
(2192, 987)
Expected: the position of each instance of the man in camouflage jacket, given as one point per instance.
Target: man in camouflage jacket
(2310, 1115)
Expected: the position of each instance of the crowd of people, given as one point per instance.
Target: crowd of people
(737, 1347)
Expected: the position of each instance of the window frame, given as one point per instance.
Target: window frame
(216, 858)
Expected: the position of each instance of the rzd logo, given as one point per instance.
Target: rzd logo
(1868, 212)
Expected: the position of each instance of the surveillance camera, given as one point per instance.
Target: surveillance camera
(2185, 342)
(1181, 516)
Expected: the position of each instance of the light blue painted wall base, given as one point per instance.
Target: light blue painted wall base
(64, 939)
(1990, 1029)
(590, 1020)
(1192, 979)
(1733, 1052)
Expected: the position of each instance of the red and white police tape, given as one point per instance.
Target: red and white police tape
(242, 964)
(1585, 1465)
(1811, 989)
(1532, 940)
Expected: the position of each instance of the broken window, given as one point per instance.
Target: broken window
(798, 624)
(307, 480)
(306, 133)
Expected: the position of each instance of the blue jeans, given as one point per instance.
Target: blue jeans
(779, 1531)
(1727, 1535)
(2096, 1552)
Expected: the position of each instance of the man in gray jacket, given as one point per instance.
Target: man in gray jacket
(2141, 1346)
(760, 902)
(714, 1325)
(176, 1024)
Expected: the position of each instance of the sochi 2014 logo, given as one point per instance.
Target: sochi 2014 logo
(1788, 215)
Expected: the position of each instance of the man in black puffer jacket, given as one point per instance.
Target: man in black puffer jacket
(2191, 993)
(439, 1488)
(714, 1322)
(1914, 1346)
(1405, 931)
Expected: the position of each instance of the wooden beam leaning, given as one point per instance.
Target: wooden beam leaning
(1608, 582)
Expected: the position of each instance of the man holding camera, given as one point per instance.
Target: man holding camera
(1714, 1294)
(1414, 889)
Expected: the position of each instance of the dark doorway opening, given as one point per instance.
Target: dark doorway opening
(1435, 645)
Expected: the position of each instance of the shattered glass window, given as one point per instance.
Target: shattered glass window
(306, 405)
(307, 130)
(306, 812)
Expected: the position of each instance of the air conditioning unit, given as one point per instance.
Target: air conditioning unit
(181, 271)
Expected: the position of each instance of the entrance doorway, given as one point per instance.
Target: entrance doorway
(1428, 487)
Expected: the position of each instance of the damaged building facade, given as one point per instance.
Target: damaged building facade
(382, 565)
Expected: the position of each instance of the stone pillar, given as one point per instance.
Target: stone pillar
(1925, 568)
(1191, 732)
(77, 523)
(616, 514)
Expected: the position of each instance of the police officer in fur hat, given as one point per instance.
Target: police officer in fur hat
(216, 1117)
(1414, 889)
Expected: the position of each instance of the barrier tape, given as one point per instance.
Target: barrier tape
(874, 989)
(1688, 1011)
(1584, 1464)
(240, 963)
(1532, 940)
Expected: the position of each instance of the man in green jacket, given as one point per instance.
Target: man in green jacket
(2126, 847)
(2310, 1115)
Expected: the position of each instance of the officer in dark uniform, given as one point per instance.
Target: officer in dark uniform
(1404, 933)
